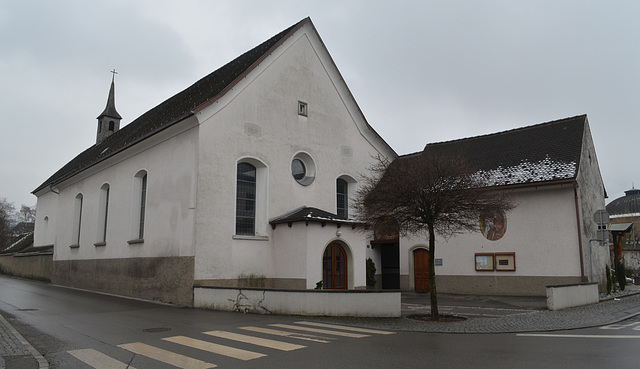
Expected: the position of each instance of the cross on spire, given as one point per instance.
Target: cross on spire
(114, 74)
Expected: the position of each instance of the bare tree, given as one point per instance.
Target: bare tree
(430, 193)
(28, 213)
(7, 212)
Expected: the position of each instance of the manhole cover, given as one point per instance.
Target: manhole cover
(28, 309)
(156, 330)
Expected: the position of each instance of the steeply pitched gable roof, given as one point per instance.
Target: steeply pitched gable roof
(539, 153)
(173, 110)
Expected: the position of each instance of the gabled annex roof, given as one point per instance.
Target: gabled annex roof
(173, 110)
(539, 153)
(310, 214)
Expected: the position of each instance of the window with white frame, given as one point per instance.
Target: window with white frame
(251, 198)
(246, 200)
(342, 195)
(345, 185)
(45, 230)
(77, 220)
(139, 207)
(103, 212)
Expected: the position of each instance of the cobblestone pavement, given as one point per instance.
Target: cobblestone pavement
(503, 315)
(16, 352)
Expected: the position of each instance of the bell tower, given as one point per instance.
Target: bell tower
(109, 120)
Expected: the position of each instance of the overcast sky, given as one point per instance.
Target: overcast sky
(421, 71)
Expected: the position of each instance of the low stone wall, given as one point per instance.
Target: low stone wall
(164, 279)
(570, 295)
(37, 267)
(356, 303)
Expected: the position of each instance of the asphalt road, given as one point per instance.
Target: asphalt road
(78, 329)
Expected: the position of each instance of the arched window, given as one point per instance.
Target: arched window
(246, 199)
(334, 267)
(103, 211)
(342, 192)
(77, 220)
(45, 230)
(139, 206)
(111, 126)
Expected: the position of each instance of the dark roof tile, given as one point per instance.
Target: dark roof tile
(539, 153)
(173, 110)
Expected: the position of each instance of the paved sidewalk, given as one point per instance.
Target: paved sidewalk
(16, 352)
(502, 314)
(484, 314)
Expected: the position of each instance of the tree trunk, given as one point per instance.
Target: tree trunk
(432, 274)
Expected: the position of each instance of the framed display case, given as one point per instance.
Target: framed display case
(485, 262)
(505, 261)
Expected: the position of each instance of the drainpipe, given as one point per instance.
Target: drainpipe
(575, 193)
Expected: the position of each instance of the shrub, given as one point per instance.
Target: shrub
(371, 273)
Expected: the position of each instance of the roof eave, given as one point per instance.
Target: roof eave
(251, 68)
(115, 152)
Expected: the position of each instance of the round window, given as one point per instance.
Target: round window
(303, 169)
(298, 169)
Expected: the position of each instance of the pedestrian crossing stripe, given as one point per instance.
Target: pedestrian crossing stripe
(277, 345)
(215, 348)
(302, 330)
(299, 336)
(171, 358)
(97, 359)
(346, 328)
(622, 326)
(321, 331)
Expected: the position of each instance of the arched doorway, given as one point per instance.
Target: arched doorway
(421, 270)
(334, 267)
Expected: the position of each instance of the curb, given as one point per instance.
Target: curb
(42, 362)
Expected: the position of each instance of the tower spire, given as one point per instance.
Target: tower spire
(109, 120)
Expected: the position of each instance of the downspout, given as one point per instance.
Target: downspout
(575, 193)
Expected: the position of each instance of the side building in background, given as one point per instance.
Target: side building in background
(552, 172)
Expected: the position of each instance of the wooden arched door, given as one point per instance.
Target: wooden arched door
(421, 270)
(334, 267)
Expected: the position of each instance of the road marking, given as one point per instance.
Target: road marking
(576, 335)
(353, 329)
(97, 359)
(620, 326)
(278, 345)
(299, 336)
(322, 331)
(215, 348)
(177, 360)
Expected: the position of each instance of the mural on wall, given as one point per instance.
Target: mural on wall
(493, 226)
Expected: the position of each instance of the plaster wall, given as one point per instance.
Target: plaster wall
(169, 215)
(591, 198)
(46, 217)
(541, 230)
(259, 121)
(322, 303)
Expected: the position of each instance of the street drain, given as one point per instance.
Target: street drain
(28, 309)
(156, 330)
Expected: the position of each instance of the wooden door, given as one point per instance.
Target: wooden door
(421, 270)
(334, 267)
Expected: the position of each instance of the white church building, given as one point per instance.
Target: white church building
(244, 180)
